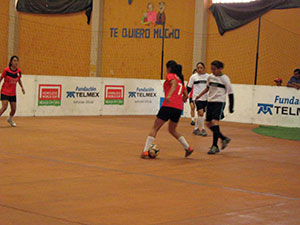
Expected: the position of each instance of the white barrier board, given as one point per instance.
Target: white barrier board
(81, 96)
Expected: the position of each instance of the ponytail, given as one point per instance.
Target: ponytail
(177, 69)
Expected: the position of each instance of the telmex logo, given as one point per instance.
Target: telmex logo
(142, 93)
(281, 106)
(265, 108)
(83, 92)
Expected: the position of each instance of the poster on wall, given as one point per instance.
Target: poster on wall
(131, 96)
(76, 96)
(132, 47)
(49, 95)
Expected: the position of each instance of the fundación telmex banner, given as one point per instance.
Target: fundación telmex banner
(132, 36)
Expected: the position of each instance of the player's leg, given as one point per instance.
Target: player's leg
(13, 108)
(216, 114)
(158, 123)
(174, 119)
(162, 117)
(4, 106)
(201, 121)
(192, 106)
(212, 120)
(196, 130)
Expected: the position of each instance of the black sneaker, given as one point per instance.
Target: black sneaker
(193, 123)
(213, 150)
(225, 142)
(188, 151)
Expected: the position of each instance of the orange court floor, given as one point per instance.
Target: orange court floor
(87, 170)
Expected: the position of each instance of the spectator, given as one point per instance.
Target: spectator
(278, 81)
(294, 82)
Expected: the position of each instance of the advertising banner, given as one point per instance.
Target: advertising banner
(79, 96)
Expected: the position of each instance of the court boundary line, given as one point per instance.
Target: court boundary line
(267, 194)
(222, 214)
(40, 214)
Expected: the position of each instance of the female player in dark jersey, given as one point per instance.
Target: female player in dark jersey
(11, 76)
(175, 95)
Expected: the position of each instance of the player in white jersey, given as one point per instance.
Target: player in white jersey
(198, 82)
(218, 86)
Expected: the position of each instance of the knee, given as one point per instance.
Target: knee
(4, 107)
(171, 131)
(201, 114)
(208, 124)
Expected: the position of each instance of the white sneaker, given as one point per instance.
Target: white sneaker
(12, 123)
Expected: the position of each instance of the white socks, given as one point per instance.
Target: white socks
(183, 142)
(9, 118)
(148, 143)
(199, 123)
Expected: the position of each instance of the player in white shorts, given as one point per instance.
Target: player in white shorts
(198, 82)
(218, 86)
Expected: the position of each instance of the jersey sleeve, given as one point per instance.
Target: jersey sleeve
(3, 73)
(191, 82)
(228, 85)
(208, 80)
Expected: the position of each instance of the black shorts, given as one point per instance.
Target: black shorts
(201, 105)
(8, 98)
(169, 113)
(191, 101)
(215, 111)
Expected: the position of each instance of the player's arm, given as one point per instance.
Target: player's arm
(230, 94)
(185, 96)
(3, 74)
(173, 88)
(21, 85)
(190, 85)
(202, 93)
(293, 85)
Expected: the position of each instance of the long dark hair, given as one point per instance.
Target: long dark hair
(178, 70)
(11, 59)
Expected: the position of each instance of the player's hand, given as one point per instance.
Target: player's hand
(197, 97)
(168, 99)
(184, 98)
(231, 110)
(23, 91)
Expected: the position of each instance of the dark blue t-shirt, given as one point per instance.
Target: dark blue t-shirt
(294, 80)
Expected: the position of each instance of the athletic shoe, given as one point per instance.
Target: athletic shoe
(188, 151)
(193, 123)
(213, 150)
(203, 133)
(225, 142)
(12, 123)
(197, 132)
(145, 155)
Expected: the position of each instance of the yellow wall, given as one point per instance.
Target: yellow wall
(54, 44)
(4, 19)
(280, 45)
(279, 49)
(141, 58)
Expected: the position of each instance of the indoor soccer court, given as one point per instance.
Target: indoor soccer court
(87, 170)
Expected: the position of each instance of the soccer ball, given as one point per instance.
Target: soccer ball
(153, 151)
